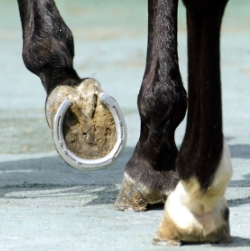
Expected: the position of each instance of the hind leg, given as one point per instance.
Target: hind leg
(194, 215)
(197, 210)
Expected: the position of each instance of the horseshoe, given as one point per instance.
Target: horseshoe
(90, 164)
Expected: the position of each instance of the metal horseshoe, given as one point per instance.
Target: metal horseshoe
(90, 164)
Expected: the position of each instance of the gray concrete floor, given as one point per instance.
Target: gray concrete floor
(45, 204)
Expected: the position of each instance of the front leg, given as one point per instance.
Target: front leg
(150, 175)
(93, 129)
(48, 46)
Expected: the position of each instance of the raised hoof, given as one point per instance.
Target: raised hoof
(136, 196)
(88, 127)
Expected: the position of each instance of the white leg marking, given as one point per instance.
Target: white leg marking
(190, 209)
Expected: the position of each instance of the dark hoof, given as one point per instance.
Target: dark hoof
(137, 196)
(130, 197)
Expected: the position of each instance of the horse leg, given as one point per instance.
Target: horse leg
(150, 174)
(89, 128)
(197, 210)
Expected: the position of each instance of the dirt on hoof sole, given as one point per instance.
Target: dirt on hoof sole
(89, 128)
(137, 197)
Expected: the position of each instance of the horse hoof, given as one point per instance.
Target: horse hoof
(138, 195)
(88, 127)
(130, 198)
(188, 221)
(195, 215)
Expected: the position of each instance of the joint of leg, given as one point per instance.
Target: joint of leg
(161, 102)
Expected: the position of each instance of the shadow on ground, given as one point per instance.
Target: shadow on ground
(240, 151)
(237, 242)
(50, 177)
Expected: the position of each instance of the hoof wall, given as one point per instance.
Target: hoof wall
(133, 196)
(130, 198)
